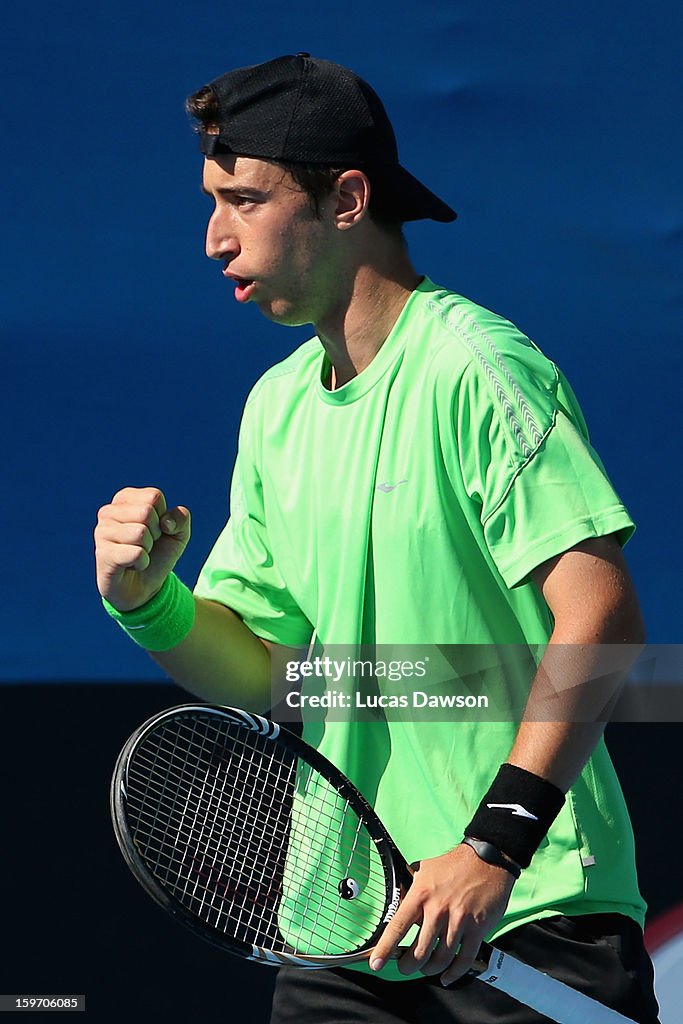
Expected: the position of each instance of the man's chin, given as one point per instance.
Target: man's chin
(281, 313)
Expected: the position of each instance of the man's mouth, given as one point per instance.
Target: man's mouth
(243, 285)
(243, 288)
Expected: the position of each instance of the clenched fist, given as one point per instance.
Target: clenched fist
(137, 543)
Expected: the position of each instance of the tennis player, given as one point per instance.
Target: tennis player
(417, 473)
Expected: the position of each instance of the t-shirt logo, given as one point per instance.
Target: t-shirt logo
(387, 487)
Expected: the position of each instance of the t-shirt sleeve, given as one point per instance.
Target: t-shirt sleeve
(527, 461)
(240, 571)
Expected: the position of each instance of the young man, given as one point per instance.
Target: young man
(417, 473)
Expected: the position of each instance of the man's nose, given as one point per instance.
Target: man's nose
(221, 242)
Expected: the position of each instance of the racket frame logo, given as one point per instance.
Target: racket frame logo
(393, 906)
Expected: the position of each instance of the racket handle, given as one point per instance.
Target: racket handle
(544, 994)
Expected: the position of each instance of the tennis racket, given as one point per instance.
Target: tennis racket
(257, 843)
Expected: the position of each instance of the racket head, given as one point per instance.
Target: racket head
(252, 839)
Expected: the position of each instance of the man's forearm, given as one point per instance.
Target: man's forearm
(570, 702)
(597, 636)
(220, 659)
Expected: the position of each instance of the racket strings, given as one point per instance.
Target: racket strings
(220, 871)
(265, 829)
(312, 915)
(261, 873)
(144, 770)
(151, 809)
(309, 867)
(308, 907)
(206, 836)
(251, 839)
(351, 856)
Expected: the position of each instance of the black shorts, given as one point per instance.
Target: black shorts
(600, 954)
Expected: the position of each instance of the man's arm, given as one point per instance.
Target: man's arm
(590, 593)
(456, 898)
(138, 541)
(221, 660)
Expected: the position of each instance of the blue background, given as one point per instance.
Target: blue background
(553, 129)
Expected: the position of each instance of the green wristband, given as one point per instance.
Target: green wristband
(163, 621)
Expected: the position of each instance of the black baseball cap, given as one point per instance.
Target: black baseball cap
(305, 110)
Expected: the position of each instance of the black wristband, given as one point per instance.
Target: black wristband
(516, 813)
(490, 854)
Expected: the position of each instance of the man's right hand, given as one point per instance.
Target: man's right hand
(137, 543)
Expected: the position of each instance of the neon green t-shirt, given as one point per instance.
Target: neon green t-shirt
(409, 507)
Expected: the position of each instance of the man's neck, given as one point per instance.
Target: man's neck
(352, 336)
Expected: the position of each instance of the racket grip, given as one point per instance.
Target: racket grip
(545, 994)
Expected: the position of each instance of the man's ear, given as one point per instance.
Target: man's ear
(352, 190)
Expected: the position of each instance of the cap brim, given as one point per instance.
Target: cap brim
(409, 198)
